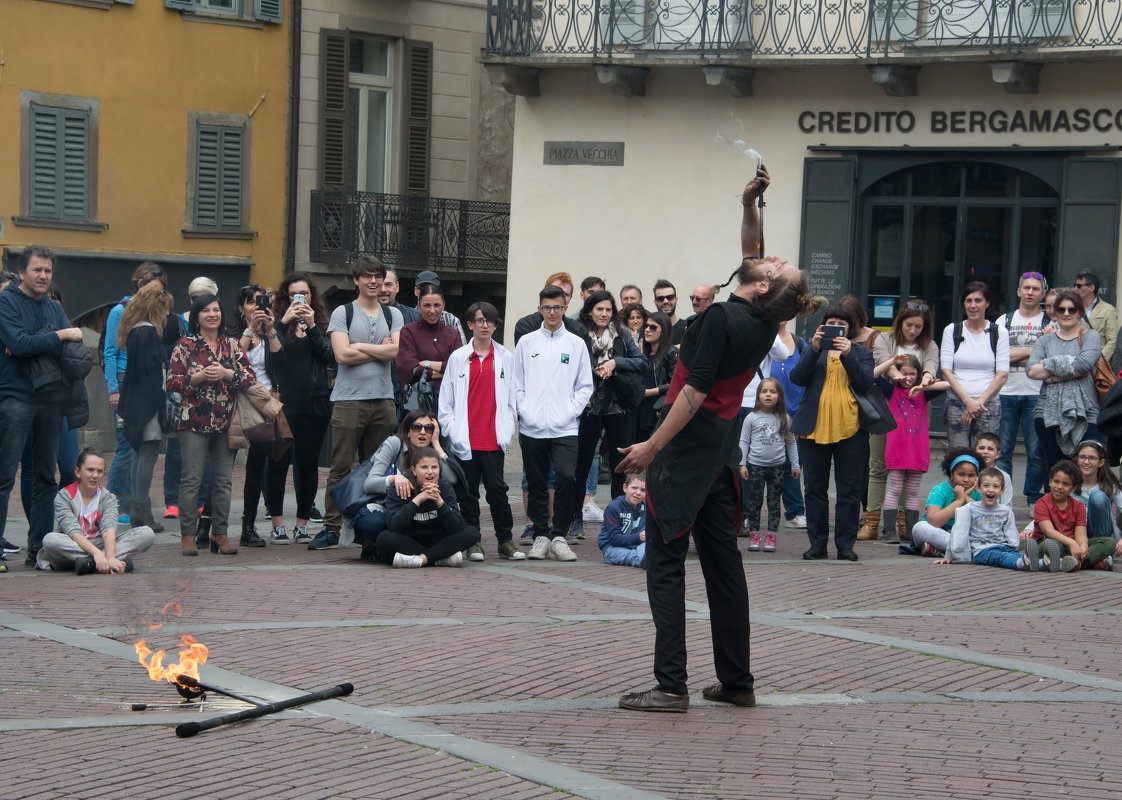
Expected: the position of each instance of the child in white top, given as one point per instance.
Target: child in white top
(766, 442)
(985, 532)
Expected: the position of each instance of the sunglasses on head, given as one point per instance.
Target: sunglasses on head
(1034, 275)
(427, 427)
(914, 306)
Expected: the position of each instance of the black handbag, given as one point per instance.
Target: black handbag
(419, 395)
(873, 413)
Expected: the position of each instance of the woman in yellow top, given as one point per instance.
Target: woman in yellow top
(832, 369)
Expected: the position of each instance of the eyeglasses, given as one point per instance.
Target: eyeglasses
(914, 306)
(695, 299)
(1066, 310)
(1089, 457)
(666, 298)
(1081, 285)
(427, 427)
(652, 327)
(484, 322)
(551, 309)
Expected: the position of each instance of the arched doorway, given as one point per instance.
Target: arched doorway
(928, 229)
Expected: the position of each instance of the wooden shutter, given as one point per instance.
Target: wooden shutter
(417, 120)
(334, 59)
(268, 10)
(219, 172)
(59, 174)
(1089, 218)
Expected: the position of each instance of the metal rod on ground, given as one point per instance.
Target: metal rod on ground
(188, 729)
(193, 683)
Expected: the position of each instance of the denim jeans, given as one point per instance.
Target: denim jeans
(1000, 555)
(120, 471)
(44, 422)
(1016, 417)
(1100, 517)
(792, 494)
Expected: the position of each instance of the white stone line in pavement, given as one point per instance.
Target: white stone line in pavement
(531, 768)
(139, 718)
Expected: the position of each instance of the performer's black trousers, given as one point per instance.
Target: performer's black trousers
(714, 535)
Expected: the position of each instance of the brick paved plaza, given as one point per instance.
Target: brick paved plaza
(888, 678)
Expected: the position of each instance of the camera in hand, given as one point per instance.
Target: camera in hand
(829, 334)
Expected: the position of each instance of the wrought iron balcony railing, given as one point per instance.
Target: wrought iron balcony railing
(422, 232)
(799, 28)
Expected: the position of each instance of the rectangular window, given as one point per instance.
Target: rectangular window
(58, 161)
(260, 10)
(218, 175)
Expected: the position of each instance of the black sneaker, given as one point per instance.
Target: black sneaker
(326, 539)
(83, 565)
(8, 547)
(315, 515)
(128, 563)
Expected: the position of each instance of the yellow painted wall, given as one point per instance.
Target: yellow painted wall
(148, 66)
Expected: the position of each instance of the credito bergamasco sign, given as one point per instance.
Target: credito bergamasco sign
(954, 121)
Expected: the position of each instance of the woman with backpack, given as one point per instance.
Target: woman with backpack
(974, 357)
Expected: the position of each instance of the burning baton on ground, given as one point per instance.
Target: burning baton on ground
(184, 673)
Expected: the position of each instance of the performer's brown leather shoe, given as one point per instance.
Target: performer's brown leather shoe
(738, 697)
(655, 700)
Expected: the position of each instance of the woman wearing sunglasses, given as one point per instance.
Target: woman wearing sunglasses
(662, 357)
(419, 428)
(911, 335)
(1064, 360)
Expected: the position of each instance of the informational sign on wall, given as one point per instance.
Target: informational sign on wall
(590, 154)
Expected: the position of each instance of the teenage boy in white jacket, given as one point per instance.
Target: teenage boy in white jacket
(477, 411)
(553, 377)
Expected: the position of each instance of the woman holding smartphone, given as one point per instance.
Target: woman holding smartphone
(256, 320)
(829, 430)
(297, 361)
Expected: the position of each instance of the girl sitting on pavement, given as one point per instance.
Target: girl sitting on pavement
(932, 534)
(766, 444)
(985, 531)
(1099, 490)
(1060, 529)
(907, 448)
(426, 527)
(623, 534)
(86, 517)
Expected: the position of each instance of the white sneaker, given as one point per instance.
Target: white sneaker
(540, 548)
(560, 549)
(454, 560)
(798, 522)
(590, 512)
(402, 561)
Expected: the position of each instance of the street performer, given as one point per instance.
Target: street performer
(689, 490)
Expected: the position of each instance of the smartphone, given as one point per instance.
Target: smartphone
(829, 333)
(263, 302)
(297, 299)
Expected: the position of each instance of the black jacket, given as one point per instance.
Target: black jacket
(811, 373)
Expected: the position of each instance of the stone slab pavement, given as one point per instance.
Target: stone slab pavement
(886, 678)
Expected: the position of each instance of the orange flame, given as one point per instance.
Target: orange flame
(173, 607)
(155, 626)
(192, 655)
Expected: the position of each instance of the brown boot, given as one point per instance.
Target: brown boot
(869, 530)
(187, 545)
(902, 529)
(220, 543)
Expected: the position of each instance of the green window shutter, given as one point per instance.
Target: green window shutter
(826, 250)
(1089, 218)
(180, 5)
(219, 173)
(417, 121)
(334, 170)
(268, 10)
(59, 174)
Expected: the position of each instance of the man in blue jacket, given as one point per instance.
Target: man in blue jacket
(31, 326)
